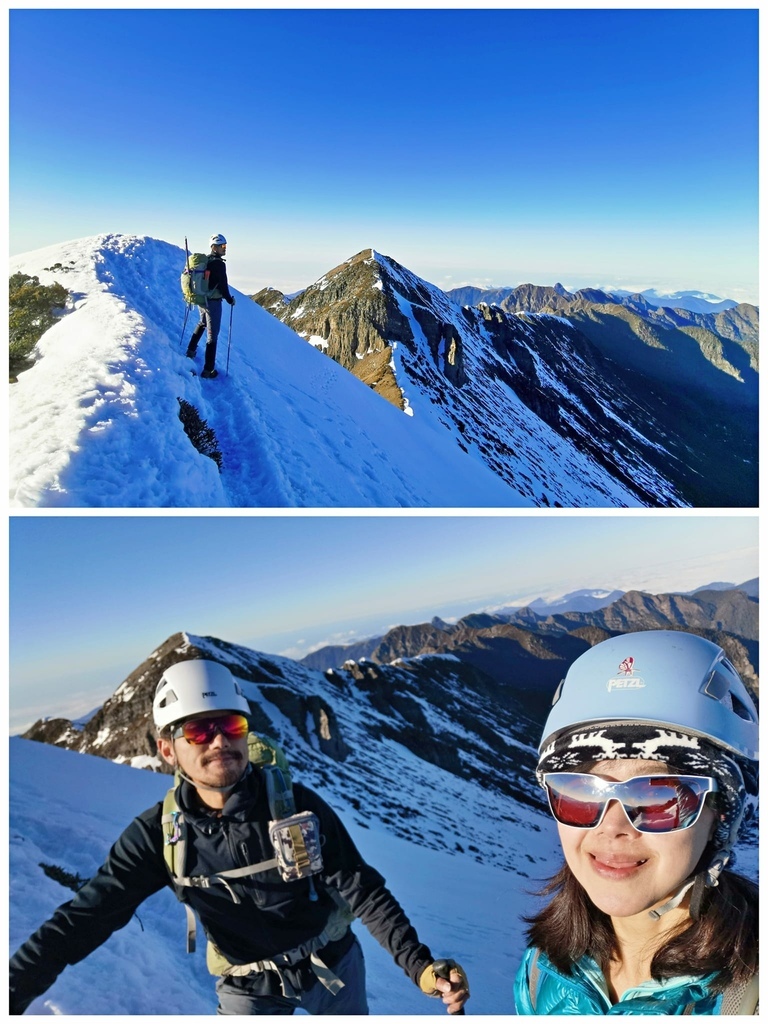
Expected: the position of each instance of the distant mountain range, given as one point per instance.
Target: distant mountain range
(488, 678)
(696, 302)
(533, 647)
(681, 302)
(554, 391)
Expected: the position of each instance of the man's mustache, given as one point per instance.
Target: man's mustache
(226, 755)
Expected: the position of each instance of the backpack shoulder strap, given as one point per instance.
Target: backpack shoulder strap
(174, 834)
(533, 976)
(742, 998)
(279, 792)
(174, 850)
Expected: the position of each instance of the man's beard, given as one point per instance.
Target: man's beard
(226, 772)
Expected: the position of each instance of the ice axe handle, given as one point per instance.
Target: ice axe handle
(442, 969)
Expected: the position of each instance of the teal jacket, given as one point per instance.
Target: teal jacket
(585, 992)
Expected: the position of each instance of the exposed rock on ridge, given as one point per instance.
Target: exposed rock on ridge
(651, 399)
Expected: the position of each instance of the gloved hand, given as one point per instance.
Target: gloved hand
(453, 989)
(231, 301)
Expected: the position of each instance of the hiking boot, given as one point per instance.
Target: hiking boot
(191, 353)
(209, 373)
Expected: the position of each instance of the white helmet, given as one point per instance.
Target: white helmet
(218, 240)
(194, 687)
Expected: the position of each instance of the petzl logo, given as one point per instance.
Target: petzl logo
(210, 693)
(626, 678)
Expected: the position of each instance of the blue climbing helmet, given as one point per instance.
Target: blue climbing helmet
(661, 695)
(660, 678)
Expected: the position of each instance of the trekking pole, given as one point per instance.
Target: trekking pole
(189, 306)
(184, 328)
(229, 337)
(442, 969)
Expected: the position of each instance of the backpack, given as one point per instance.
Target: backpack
(194, 279)
(295, 838)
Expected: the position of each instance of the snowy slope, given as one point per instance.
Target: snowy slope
(527, 394)
(95, 420)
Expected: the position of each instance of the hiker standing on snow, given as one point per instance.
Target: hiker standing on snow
(210, 314)
(649, 760)
(276, 944)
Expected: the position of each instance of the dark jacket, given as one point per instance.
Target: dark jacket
(218, 287)
(273, 916)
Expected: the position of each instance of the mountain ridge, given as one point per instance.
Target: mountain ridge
(663, 407)
(97, 420)
(493, 641)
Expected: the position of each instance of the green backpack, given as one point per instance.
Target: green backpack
(194, 279)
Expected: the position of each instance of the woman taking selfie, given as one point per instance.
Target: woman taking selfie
(649, 762)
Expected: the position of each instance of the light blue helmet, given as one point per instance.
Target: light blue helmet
(660, 678)
(668, 696)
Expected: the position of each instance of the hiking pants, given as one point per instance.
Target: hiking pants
(236, 995)
(210, 322)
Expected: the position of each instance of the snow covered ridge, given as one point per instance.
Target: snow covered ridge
(501, 411)
(95, 422)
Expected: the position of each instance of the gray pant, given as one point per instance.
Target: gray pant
(210, 324)
(236, 995)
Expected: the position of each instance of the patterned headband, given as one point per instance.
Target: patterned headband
(685, 754)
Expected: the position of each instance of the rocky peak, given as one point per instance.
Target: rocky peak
(271, 299)
(353, 314)
(123, 730)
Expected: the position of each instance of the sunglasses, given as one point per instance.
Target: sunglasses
(202, 730)
(653, 803)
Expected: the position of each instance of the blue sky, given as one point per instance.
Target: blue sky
(488, 147)
(92, 596)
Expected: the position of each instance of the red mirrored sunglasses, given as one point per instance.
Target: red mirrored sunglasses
(202, 730)
(652, 803)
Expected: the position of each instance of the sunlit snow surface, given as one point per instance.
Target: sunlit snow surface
(94, 423)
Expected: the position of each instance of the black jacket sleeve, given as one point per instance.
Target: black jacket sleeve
(133, 871)
(366, 893)
(217, 277)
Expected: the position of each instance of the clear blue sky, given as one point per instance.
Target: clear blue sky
(613, 147)
(91, 597)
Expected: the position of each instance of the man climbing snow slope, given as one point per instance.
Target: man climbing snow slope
(267, 867)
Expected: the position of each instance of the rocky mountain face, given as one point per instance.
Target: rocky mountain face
(531, 652)
(735, 321)
(577, 399)
(351, 731)
(352, 318)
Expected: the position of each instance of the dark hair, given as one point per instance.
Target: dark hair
(723, 938)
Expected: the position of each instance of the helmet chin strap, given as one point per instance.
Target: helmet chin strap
(703, 880)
